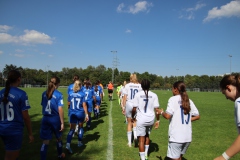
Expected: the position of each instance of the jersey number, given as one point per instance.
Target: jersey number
(48, 107)
(182, 116)
(133, 92)
(9, 111)
(73, 102)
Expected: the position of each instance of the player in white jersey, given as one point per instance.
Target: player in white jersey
(146, 104)
(230, 86)
(181, 111)
(129, 92)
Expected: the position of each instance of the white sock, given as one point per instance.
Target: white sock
(134, 132)
(142, 155)
(68, 145)
(146, 150)
(129, 136)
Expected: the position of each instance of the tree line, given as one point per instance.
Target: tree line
(40, 77)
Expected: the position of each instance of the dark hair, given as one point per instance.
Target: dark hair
(75, 77)
(12, 77)
(52, 86)
(230, 80)
(180, 86)
(145, 84)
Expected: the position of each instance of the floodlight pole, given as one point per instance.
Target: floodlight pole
(113, 52)
(230, 57)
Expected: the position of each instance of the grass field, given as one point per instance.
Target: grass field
(212, 134)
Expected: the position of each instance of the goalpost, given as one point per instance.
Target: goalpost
(196, 89)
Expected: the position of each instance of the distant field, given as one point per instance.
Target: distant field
(212, 134)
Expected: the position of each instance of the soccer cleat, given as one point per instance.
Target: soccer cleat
(88, 127)
(69, 149)
(62, 156)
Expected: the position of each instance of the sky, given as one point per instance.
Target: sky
(162, 37)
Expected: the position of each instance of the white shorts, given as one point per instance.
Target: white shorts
(176, 149)
(143, 130)
(128, 110)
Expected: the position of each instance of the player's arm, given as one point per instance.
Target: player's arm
(85, 111)
(61, 115)
(231, 151)
(28, 124)
(164, 114)
(157, 118)
(194, 118)
(124, 103)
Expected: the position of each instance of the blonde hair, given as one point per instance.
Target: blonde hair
(133, 78)
(77, 86)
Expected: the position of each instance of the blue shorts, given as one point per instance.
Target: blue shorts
(50, 124)
(76, 117)
(89, 106)
(98, 101)
(12, 142)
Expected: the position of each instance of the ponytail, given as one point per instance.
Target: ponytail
(180, 86)
(145, 84)
(52, 86)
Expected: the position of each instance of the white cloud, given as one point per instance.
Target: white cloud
(1, 52)
(228, 10)
(141, 6)
(189, 13)
(50, 55)
(4, 28)
(128, 31)
(30, 37)
(19, 55)
(19, 50)
(120, 7)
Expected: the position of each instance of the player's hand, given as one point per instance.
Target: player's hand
(123, 112)
(156, 125)
(86, 118)
(62, 127)
(219, 158)
(31, 138)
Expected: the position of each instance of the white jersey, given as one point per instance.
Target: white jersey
(180, 127)
(145, 116)
(237, 113)
(130, 90)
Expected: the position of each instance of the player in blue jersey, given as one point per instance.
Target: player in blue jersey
(77, 113)
(53, 117)
(89, 97)
(69, 91)
(14, 107)
(98, 100)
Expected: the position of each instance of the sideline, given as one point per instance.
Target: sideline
(110, 135)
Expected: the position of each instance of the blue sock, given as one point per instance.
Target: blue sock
(69, 136)
(43, 151)
(59, 148)
(80, 134)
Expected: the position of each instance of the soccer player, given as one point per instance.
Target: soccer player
(89, 98)
(53, 117)
(14, 107)
(77, 114)
(98, 100)
(69, 91)
(181, 111)
(119, 93)
(230, 86)
(129, 92)
(110, 91)
(146, 103)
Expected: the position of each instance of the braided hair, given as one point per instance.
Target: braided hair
(145, 84)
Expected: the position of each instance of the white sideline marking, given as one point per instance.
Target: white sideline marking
(110, 135)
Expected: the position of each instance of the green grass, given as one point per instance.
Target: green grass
(212, 134)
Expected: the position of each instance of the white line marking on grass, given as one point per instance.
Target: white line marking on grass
(110, 135)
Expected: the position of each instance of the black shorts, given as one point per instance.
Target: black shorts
(110, 91)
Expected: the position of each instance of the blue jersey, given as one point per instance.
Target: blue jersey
(97, 94)
(11, 119)
(76, 101)
(70, 89)
(50, 107)
(89, 93)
